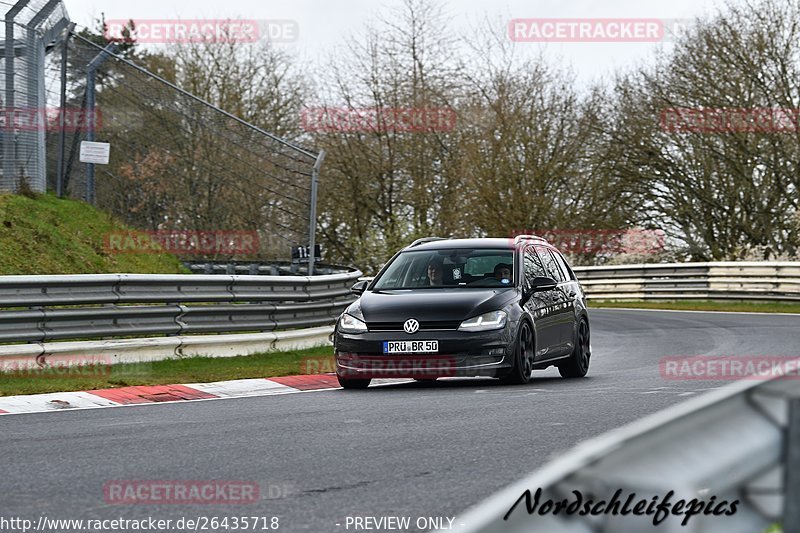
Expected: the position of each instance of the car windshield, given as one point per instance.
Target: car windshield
(450, 268)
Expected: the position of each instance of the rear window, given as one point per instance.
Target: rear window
(564, 266)
(550, 265)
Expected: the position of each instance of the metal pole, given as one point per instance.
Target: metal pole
(791, 500)
(8, 135)
(91, 70)
(312, 223)
(34, 144)
(62, 137)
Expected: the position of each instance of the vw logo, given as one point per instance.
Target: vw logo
(411, 325)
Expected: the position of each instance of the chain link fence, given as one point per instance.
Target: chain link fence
(179, 164)
(190, 177)
(32, 29)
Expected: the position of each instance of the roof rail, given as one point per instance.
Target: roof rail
(536, 238)
(424, 240)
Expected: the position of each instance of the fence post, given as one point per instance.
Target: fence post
(62, 136)
(37, 102)
(9, 143)
(791, 499)
(91, 70)
(312, 223)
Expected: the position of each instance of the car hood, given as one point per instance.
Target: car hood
(432, 304)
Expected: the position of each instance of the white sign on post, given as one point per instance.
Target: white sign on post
(92, 152)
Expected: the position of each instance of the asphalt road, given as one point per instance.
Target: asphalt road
(412, 450)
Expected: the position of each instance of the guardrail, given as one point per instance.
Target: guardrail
(39, 309)
(76, 353)
(738, 443)
(769, 281)
(47, 308)
(258, 268)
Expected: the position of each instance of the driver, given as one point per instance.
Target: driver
(435, 268)
(502, 272)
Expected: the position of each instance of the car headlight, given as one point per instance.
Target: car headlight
(485, 322)
(351, 324)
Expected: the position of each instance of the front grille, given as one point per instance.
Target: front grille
(430, 325)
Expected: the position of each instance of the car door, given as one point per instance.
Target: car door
(562, 312)
(539, 305)
(574, 294)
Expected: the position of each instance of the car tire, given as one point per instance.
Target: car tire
(578, 363)
(353, 383)
(520, 373)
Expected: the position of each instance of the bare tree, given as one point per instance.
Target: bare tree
(533, 160)
(716, 186)
(385, 185)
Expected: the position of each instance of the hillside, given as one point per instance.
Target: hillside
(47, 235)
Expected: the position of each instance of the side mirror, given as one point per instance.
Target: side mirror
(540, 284)
(359, 287)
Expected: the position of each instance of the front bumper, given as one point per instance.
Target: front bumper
(461, 354)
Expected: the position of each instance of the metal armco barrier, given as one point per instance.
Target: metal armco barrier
(773, 281)
(113, 351)
(738, 443)
(258, 268)
(47, 308)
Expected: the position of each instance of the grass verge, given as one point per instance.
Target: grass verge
(168, 372)
(49, 235)
(704, 305)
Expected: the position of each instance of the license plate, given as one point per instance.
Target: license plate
(410, 346)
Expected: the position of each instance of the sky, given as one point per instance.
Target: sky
(324, 24)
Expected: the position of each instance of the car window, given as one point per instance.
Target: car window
(395, 272)
(533, 267)
(448, 268)
(484, 265)
(550, 265)
(564, 265)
